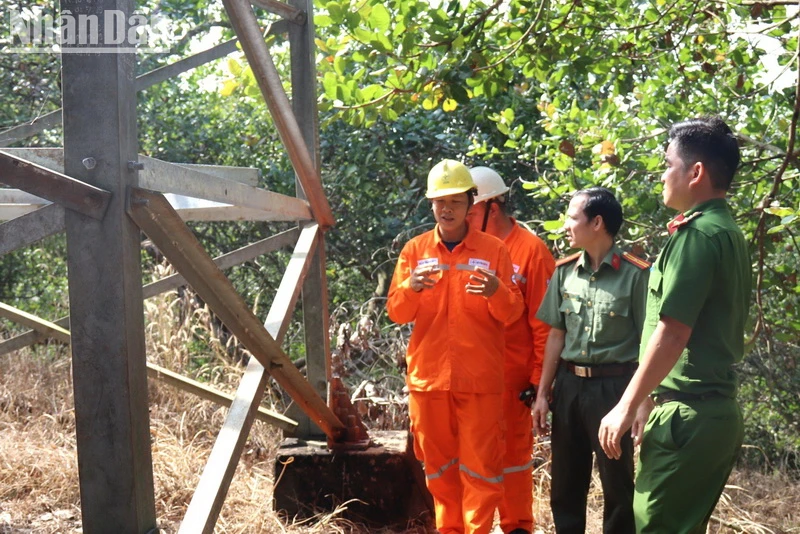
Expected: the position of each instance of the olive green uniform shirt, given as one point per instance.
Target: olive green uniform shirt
(602, 312)
(702, 278)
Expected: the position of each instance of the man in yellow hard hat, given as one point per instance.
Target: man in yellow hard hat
(454, 283)
(533, 266)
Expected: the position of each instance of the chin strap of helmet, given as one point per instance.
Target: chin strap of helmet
(486, 214)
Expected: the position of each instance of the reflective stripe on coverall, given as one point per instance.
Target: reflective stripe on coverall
(525, 339)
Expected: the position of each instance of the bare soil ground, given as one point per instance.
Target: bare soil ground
(39, 491)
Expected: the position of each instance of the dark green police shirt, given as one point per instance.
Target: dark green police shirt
(602, 312)
(702, 278)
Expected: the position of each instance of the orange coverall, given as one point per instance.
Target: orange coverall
(455, 373)
(525, 339)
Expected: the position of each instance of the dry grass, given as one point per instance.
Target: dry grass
(38, 463)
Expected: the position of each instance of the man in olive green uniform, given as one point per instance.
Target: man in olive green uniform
(595, 304)
(697, 305)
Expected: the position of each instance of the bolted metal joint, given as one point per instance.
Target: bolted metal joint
(355, 435)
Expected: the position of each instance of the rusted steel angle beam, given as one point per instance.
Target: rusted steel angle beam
(48, 157)
(260, 61)
(29, 129)
(226, 261)
(31, 227)
(30, 337)
(143, 81)
(153, 214)
(166, 177)
(290, 13)
(32, 321)
(53, 159)
(156, 76)
(223, 399)
(53, 186)
(20, 197)
(53, 330)
(210, 494)
(152, 289)
(243, 175)
(189, 208)
(48, 329)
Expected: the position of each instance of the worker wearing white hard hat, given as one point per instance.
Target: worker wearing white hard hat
(533, 266)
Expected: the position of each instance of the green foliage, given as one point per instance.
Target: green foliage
(581, 93)
(771, 406)
(30, 88)
(35, 280)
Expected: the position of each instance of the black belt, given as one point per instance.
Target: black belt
(603, 370)
(671, 396)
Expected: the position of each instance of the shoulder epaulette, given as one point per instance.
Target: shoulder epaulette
(568, 259)
(680, 221)
(636, 260)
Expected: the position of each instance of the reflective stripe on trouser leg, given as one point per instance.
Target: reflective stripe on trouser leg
(434, 427)
(481, 447)
(686, 457)
(516, 509)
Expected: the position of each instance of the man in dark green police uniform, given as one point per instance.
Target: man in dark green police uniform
(595, 304)
(697, 305)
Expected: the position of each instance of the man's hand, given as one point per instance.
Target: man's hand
(484, 283)
(421, 278)
(528, 395)
(612, 428)
(540, 411)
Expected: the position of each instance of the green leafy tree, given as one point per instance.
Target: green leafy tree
(581, 92)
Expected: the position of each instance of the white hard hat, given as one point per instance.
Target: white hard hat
(488, 182)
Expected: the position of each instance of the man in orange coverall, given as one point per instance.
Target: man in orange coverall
(454, 283)
(533, 266)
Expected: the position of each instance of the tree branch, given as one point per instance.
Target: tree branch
(761, 227)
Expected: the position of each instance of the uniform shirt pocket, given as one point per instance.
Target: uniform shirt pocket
(571, 308)
(474, 304)
(614, 321)
(432, 299)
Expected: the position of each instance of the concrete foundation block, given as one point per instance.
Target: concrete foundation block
(384, 484)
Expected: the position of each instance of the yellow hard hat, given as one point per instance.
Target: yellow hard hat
(449, 177)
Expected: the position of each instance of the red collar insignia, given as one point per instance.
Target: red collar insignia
(615, 261)
(680, 221)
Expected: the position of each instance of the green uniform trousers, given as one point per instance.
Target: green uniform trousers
(578, 406)
(688, 452)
